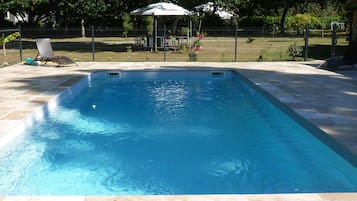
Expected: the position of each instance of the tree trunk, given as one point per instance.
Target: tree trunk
(282, 19)
(83, 28)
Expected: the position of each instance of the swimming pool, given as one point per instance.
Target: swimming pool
(169, 132)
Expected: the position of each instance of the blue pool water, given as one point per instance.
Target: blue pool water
(169, 132)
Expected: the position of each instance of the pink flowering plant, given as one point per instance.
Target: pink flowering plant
(197, 44)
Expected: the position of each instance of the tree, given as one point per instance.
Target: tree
(3, 9)
(62, 13)
(37, 11)
(301, 6)
(285, 6)
(127, 24)
(81, 11)
(88, 10)
(149, 24)
(300, 21)
(327, 12)
(190, 4)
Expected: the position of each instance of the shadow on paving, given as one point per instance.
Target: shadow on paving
(321, 52)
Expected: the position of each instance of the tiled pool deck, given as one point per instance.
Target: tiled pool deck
(327, 99)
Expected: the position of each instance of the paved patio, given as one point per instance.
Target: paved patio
(326, 99)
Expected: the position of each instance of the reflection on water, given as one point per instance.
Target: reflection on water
(170, 137)
(225, 167)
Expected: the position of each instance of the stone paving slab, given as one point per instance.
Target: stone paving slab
(327, 99)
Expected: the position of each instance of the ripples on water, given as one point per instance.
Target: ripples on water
(170, 137)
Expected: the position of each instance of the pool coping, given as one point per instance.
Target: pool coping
(230, 197)
(72, 75)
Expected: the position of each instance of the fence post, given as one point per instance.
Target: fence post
(155, 38)
(20, 42)
(307, 30)
(164, 43)
(236, 43)
(273, 30)
(93, 44)
(334, 40)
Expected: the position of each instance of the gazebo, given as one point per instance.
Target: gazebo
(160, 9)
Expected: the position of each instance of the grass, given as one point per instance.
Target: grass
(214, 49)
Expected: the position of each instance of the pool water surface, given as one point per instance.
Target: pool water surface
(169, 132)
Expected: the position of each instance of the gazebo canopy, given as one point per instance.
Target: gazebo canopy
(161, 9)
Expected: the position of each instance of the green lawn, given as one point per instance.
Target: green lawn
(214, 49)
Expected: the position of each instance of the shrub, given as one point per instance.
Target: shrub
(295, 50)
(4, 40)
(250, 40)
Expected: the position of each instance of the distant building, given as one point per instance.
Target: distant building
(16, 18)
(352, 5)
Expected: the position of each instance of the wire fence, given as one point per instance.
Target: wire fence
(217, 44)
